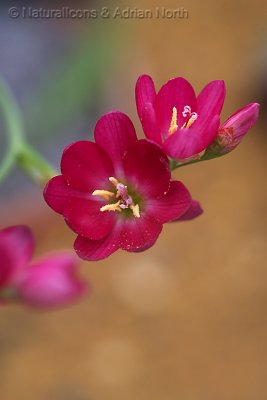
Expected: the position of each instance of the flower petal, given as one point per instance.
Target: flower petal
(57, 194)
(171, 206)
(138, 234)
(150, 125)
(189, 142)
(144, 93)
(211, 98)
(94, 250)
(81, 210)
(86, 166)
(115, 133)
(16, 248)
(86, 219)
(242, 120)
(194, 211)
(146, 169)
(175, 93)
(52, 282)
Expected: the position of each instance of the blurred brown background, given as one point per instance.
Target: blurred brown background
(187, 319)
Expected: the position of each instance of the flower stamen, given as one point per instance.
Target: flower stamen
(103, 193)
(113, 180)
(124, 202)
(136, 211)
(174, 126)
(187, 113)
(192, 117)
(111, 207)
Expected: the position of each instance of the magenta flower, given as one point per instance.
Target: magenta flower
(115, 193)
(185, 125)
(47, 283)
(174, 118)
(234, 129)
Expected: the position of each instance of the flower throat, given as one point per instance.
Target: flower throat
(125, 201)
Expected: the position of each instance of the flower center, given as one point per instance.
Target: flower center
(124, 200)
(187, 113)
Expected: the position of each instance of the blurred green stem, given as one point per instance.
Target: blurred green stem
(18, 151)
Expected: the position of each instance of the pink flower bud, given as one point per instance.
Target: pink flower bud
(16, 248)
(51, 282)
(234, 129)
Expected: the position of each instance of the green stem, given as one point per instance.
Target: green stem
(13, 123)
(207, 156)
(34, 166)
(6, 165)
(18, 151)
(174, 165)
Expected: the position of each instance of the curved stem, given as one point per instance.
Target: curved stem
(34, 166)
(13, 124)
(18, 150)
(6, 165)
(12, 115)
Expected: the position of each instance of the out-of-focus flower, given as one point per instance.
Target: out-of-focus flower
(47, 283)
(234, 129)
(181, 123)
(115, 193)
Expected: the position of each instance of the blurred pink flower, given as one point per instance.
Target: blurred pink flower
(174, 118)
(116, 193)
(234, 129)
(47, 283)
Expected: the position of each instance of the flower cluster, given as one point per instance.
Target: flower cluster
(117, 192)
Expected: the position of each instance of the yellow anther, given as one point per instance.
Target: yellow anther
(103, 193)
(113, 180)
(173, 127)
(135, 210)
(190, 122)
(124, 202)
(111, 207)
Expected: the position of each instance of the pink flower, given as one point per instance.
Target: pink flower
(234, 129)
(47, 283)
(115, 193)
(185, 125)
(174, 118)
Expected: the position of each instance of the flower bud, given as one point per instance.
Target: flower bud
(231, 133)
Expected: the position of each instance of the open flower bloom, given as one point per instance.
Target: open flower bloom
(181, 123)
(234, 129)
(47, 283)
(185, 125)
(115, 193)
